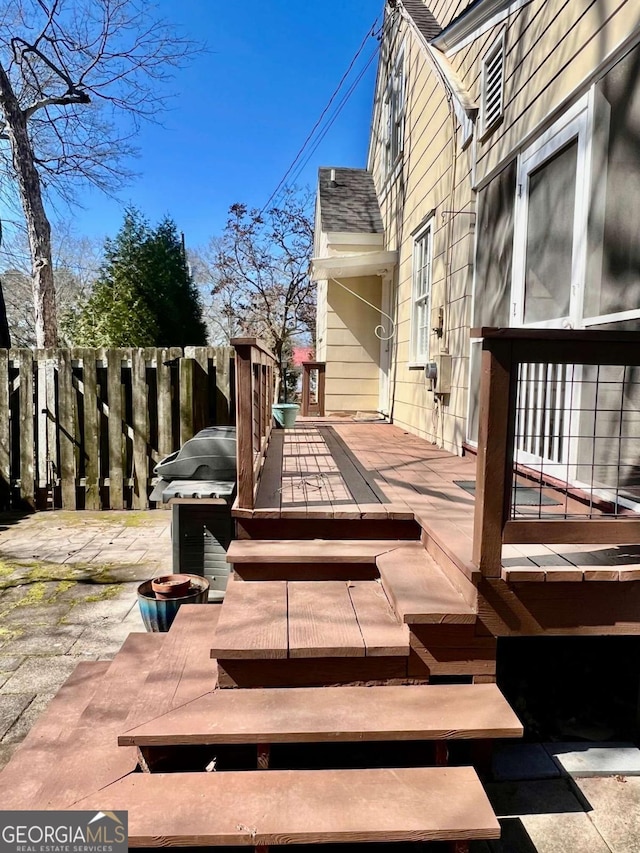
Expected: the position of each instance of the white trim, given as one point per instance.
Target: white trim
(427, 233)
(353, 266)
(573, 125)
(354, 238)
(618, 317)
(463, 104)
(470, 26)
(615, 55)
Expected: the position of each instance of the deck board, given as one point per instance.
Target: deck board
(338, 714)
(413, 479)
(253, 622)
(287, 807)
(322, 621)
(382, 633)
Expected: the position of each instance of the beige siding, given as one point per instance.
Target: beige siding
(352, 348)
(426, 180)
(553, 51)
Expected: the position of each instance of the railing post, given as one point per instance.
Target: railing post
(244, 426)
(495, 455)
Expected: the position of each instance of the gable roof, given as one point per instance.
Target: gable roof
(423, 18)
(350, 204)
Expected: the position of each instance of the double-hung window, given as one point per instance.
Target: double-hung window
(394, 113)
(421, 302)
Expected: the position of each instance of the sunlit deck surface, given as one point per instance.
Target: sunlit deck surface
(338, 468)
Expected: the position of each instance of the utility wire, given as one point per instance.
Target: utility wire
(371, 33)
(334, 117)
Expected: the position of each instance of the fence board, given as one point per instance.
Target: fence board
(53, 461)
(140, 429)
(187, 366)
(27, 481)
(116, 442)
(66, 430)
(96, 424)
(91, 430)
(224, 408)
(42, 466)
(5, 434)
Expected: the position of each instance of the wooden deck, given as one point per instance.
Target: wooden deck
(337, 469)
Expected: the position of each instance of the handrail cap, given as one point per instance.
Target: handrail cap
(572, 335)
(252, 342)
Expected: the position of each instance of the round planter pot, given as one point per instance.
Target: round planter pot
(171, 586)
(285, 414)
(158, 614)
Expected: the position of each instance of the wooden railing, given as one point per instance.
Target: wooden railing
(571, 397)
(255, 383)
(84, 428)
(313, 398)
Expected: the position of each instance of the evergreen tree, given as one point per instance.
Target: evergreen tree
(144, 295)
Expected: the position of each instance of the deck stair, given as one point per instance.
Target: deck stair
(336, 622)
(305, 633)
(258, 808)
(341, 714)
(147, 699)
(312, 559)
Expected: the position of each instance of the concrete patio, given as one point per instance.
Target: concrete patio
(67, 593)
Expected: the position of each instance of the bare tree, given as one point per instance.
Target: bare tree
(66, 68)
(259, 273)
(75, 262)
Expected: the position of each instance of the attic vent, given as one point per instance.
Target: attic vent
(493, 86)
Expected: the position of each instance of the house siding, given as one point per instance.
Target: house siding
(352, 350)
(423, 183)
(553, 50)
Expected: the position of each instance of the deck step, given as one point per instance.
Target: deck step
(309, 551)
(419, 590)
(340, 714)
(184, 671)
(80, 759)
(300, 807)
(22, 777)
(278, 620)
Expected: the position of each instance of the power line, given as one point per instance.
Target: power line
(335, 115)
(371, 33)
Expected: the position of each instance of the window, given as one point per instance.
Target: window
(551, 221)
(492, 86)
(394, 115)
(421, 305)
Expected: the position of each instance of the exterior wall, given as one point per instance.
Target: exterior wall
(554, 51)
(351, 349)
(433, 174)
(553, 47)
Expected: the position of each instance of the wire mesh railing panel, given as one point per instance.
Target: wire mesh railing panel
(576, 442)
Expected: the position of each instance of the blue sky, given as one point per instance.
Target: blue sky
(244, 109)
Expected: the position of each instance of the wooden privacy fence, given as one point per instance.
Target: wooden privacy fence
(255, 378)
(84, 428)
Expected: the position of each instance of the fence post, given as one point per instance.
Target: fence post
(5, 435)
(244, 425)
(494, 467)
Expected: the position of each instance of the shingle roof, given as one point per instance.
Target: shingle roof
(423, 18)
(350, 205)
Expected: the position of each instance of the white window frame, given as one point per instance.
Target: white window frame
(421, 301)
(497, 47)
(574, 125)
(394, 114)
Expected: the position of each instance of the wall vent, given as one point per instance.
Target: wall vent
(493, 86)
